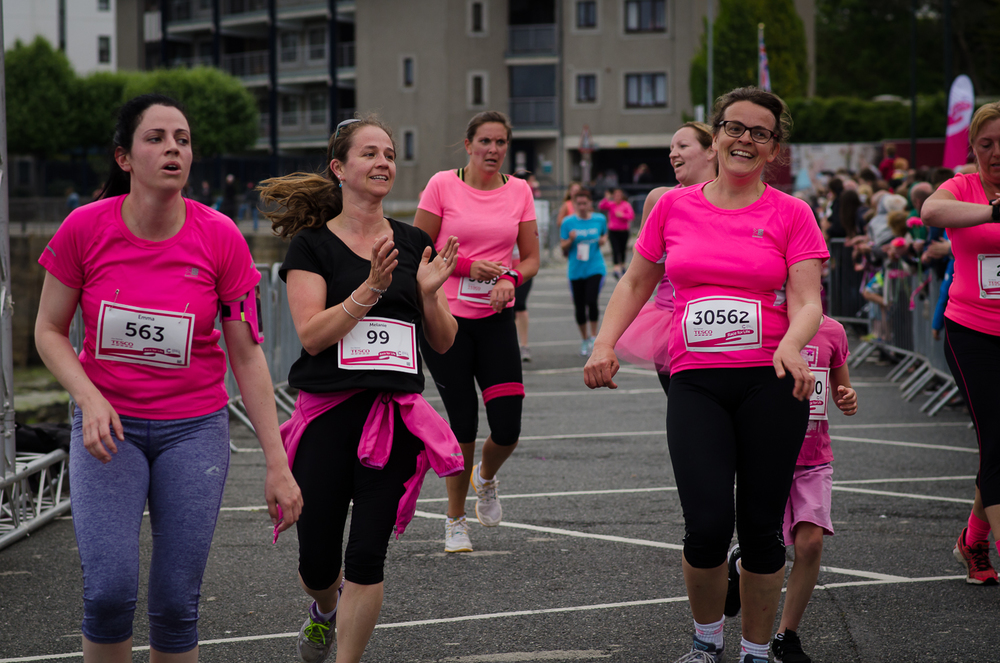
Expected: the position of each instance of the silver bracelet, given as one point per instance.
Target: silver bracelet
(377, 291)
(365, 305)
(349, 313)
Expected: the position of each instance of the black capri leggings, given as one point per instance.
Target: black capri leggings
(330, 476)
(521, 296)
(974, 359)
(726, 424)
(619, 242)
(485, 351)
(585, 294)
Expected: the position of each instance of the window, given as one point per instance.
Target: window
(586, 88)
(289, 47)
(103, 5)
(409, 72)
(409, 145)
(645, 15)
(104, 50)
(317, 108)
(477, 22)
(646, 91)
(478, 93)
(586, 14)
(289, 111)
(317, 44)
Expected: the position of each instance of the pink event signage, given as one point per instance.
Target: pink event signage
(961, 103)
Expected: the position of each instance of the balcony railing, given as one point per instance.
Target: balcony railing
(244, 6)
(533, 112)
(190, 10)
(242, 65)
(532, 39)
(200, 60)
(345, 54)
(295, 122)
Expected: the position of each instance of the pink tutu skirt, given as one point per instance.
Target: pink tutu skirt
(644, 343)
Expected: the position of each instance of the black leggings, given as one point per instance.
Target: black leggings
(485, 351)
(330, 476)
(974, 359)
(585, 294)
(619, 242)
(521, 296)
(726, 424)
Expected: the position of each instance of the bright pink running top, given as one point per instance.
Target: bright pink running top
(974, 298)
(486, 224)
(728, 269)
(157, 303)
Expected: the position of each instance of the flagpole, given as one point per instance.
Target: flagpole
(711, 30)
(760, 41)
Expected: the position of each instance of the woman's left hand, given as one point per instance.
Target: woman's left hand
(431, 274)
(501, 294)
(284, 499)
(788, 360)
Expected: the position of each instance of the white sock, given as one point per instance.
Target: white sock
(711, 633)
(480, 473)
(748, 647)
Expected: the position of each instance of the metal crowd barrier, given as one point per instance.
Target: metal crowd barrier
(899, 325)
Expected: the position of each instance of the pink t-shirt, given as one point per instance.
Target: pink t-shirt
(619, 214)
(154, 303)
(728, 269)
(827, 350)
(974, 299)
(486, 224)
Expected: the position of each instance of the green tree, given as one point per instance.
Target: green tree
(96, 99)
(222, 113)
(38, 81)
(735, 49)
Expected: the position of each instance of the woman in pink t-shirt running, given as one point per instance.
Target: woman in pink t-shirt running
(744, 260)
(490, 214)
(150, 272)
(969, 207)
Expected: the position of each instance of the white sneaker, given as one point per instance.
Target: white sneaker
(488, 509)
(584, 348)
(456, 535)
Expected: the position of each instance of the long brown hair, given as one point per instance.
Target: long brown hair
(309, 200)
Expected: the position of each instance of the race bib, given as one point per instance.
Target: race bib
(471, 290)
(380, 344)
(819, 399)
(138, 335)
(583, 252)
(722, 324)
(989, 276)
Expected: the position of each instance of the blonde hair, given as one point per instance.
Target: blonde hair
(986, 113)
(309, 200)
(897, 222)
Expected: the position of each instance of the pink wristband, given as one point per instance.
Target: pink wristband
(463, 266)
(513, 276)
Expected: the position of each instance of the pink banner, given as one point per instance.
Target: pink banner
(961, 103)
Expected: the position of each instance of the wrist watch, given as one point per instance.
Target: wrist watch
(996, 212)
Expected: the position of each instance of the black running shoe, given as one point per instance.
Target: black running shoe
(787, 648)
(733, 593)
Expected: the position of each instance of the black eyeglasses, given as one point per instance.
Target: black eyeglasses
(344, 124)
(736, 129)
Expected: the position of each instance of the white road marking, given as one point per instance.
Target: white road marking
(892, 443)
(912, 496)
(527, 656)
(888, 580)
(935, 424)
(569, 532)
(905, 480)
(570, 493)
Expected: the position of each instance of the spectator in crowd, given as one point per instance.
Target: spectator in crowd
(887, 165)
(566, 209)
(833, 226)
(205, 194)
(642, 174)
(850, 205)
(229, 207)
(72, 199)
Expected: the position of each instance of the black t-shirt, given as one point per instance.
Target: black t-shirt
(320, 251)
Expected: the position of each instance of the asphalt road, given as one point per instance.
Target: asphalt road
(586, 565)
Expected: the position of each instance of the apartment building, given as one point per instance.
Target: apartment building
(85, 30)
(609, 75)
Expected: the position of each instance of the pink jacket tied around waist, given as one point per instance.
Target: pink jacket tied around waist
(441, 451)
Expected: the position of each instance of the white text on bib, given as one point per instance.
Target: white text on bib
(137, 335)
(380, 344)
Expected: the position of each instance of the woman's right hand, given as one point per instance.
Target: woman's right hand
(384, 261)
(98, 420)
(485, 270)
(601, 367)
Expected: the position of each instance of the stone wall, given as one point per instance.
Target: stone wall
(27, 277)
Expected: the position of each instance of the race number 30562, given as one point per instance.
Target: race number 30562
(722, 324)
